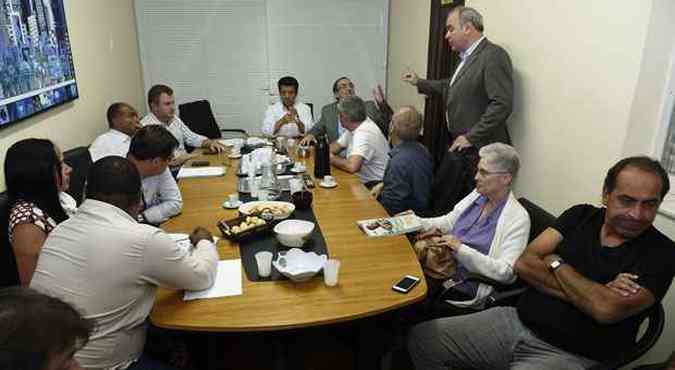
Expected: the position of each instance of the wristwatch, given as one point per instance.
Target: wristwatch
(556, 264)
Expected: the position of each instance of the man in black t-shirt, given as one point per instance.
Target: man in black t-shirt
(593, 276)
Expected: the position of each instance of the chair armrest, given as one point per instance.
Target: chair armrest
(657, 318)
(503, 298)
(486, 280)
(503, 294)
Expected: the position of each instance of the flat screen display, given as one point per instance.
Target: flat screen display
(36, 62)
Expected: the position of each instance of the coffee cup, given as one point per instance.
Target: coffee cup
(233, 198)
(329, 180)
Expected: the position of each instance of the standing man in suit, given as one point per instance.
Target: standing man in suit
(329, 124)
(479, 94)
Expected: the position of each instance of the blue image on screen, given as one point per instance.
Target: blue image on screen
(4, 115)
(36, 62)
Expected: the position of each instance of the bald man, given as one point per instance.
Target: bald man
(407, 178)
(123, 121)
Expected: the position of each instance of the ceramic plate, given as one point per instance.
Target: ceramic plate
(327, 186)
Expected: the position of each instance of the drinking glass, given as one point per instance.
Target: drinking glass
(331, 270)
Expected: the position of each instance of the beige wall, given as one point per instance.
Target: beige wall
(107, 68)
(589, 79)
(408, 45)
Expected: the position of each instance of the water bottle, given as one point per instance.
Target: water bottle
(252, 183)
(321, 157)
(269, 185)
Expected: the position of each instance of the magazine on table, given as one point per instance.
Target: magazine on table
(389, 226)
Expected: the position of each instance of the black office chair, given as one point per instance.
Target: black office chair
(311, 110)
(80, 160)
(9, 275)
(198, 116)
(657, 319)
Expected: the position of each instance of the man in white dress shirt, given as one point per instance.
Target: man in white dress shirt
(109, 266)
(163, 112)
(151, 151)
(287, 117)
(367, 148)
(123, 121)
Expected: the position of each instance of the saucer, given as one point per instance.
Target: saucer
(234, 156)
(328, 186)
(229, 205)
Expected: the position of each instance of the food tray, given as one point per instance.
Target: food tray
(227, 228)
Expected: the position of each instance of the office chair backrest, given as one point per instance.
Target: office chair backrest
(9, 275)
(80, 160)
(198, 116)
(540, 219)
(311, 110)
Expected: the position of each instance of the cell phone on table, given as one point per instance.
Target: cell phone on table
(200, 163)
(406, 284)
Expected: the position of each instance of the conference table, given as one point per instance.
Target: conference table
(369, 266)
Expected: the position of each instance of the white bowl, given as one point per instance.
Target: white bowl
(251, 207)
(298, 265)
(293, 233)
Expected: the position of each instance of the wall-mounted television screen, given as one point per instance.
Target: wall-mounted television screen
(36, 63)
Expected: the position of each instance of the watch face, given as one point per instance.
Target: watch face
(554, 265)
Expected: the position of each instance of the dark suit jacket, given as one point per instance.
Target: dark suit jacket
(481, 98)
(327, 124)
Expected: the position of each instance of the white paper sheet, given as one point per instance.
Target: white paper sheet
(228, 282)
(188, 172)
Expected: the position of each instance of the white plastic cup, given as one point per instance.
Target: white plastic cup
(295, 185)
(331, 270)
(253, 186)
(233, 198)
(264, 261)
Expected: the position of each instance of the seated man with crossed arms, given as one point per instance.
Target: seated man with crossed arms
(592, 276)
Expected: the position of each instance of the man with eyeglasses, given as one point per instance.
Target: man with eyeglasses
(151, 150)
(479, 94)
(329, 123)
(593, 275)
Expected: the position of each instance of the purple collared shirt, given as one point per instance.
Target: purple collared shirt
(477, 234)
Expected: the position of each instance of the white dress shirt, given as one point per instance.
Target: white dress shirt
(112, 142)
(161, 197)
(68, 203)
(109, 266)
(277, 110)
(367, 142)
(180, 131)
(463, 57)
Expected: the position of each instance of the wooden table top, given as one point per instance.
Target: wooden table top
(369, 266)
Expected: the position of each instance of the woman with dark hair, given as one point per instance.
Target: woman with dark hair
(36, 177)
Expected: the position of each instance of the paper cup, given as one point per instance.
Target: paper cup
(264, 261)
